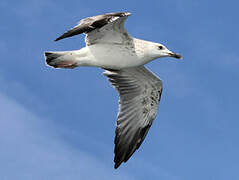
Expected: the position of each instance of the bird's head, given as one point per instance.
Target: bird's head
(158, 50)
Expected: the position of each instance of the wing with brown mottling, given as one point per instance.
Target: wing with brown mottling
(102, 28)
(140, 91)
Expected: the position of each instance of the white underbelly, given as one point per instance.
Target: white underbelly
(113, 56)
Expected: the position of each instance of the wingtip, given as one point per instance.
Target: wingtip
(65, 35)
(116, 165)
(57, 39)
(118, 161)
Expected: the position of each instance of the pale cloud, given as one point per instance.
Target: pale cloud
(34, 147)
(19, 92)
(31, 149)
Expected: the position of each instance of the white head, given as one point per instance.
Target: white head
(157, 50)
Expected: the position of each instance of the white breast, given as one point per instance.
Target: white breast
(115, 56)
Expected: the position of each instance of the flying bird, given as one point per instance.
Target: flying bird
(110, 47)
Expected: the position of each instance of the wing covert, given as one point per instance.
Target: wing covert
(102, 28)
(140, 91)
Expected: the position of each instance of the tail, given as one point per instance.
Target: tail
(60, 60)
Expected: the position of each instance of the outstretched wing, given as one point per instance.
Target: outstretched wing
(101, 28)
(140, 91)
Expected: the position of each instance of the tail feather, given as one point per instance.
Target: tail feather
(59, 60)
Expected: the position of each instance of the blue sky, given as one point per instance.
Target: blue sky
(59, 124)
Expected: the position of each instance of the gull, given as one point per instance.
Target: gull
(110, 47)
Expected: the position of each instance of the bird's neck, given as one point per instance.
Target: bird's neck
(143, 49)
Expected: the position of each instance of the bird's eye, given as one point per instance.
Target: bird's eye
(160, 47)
